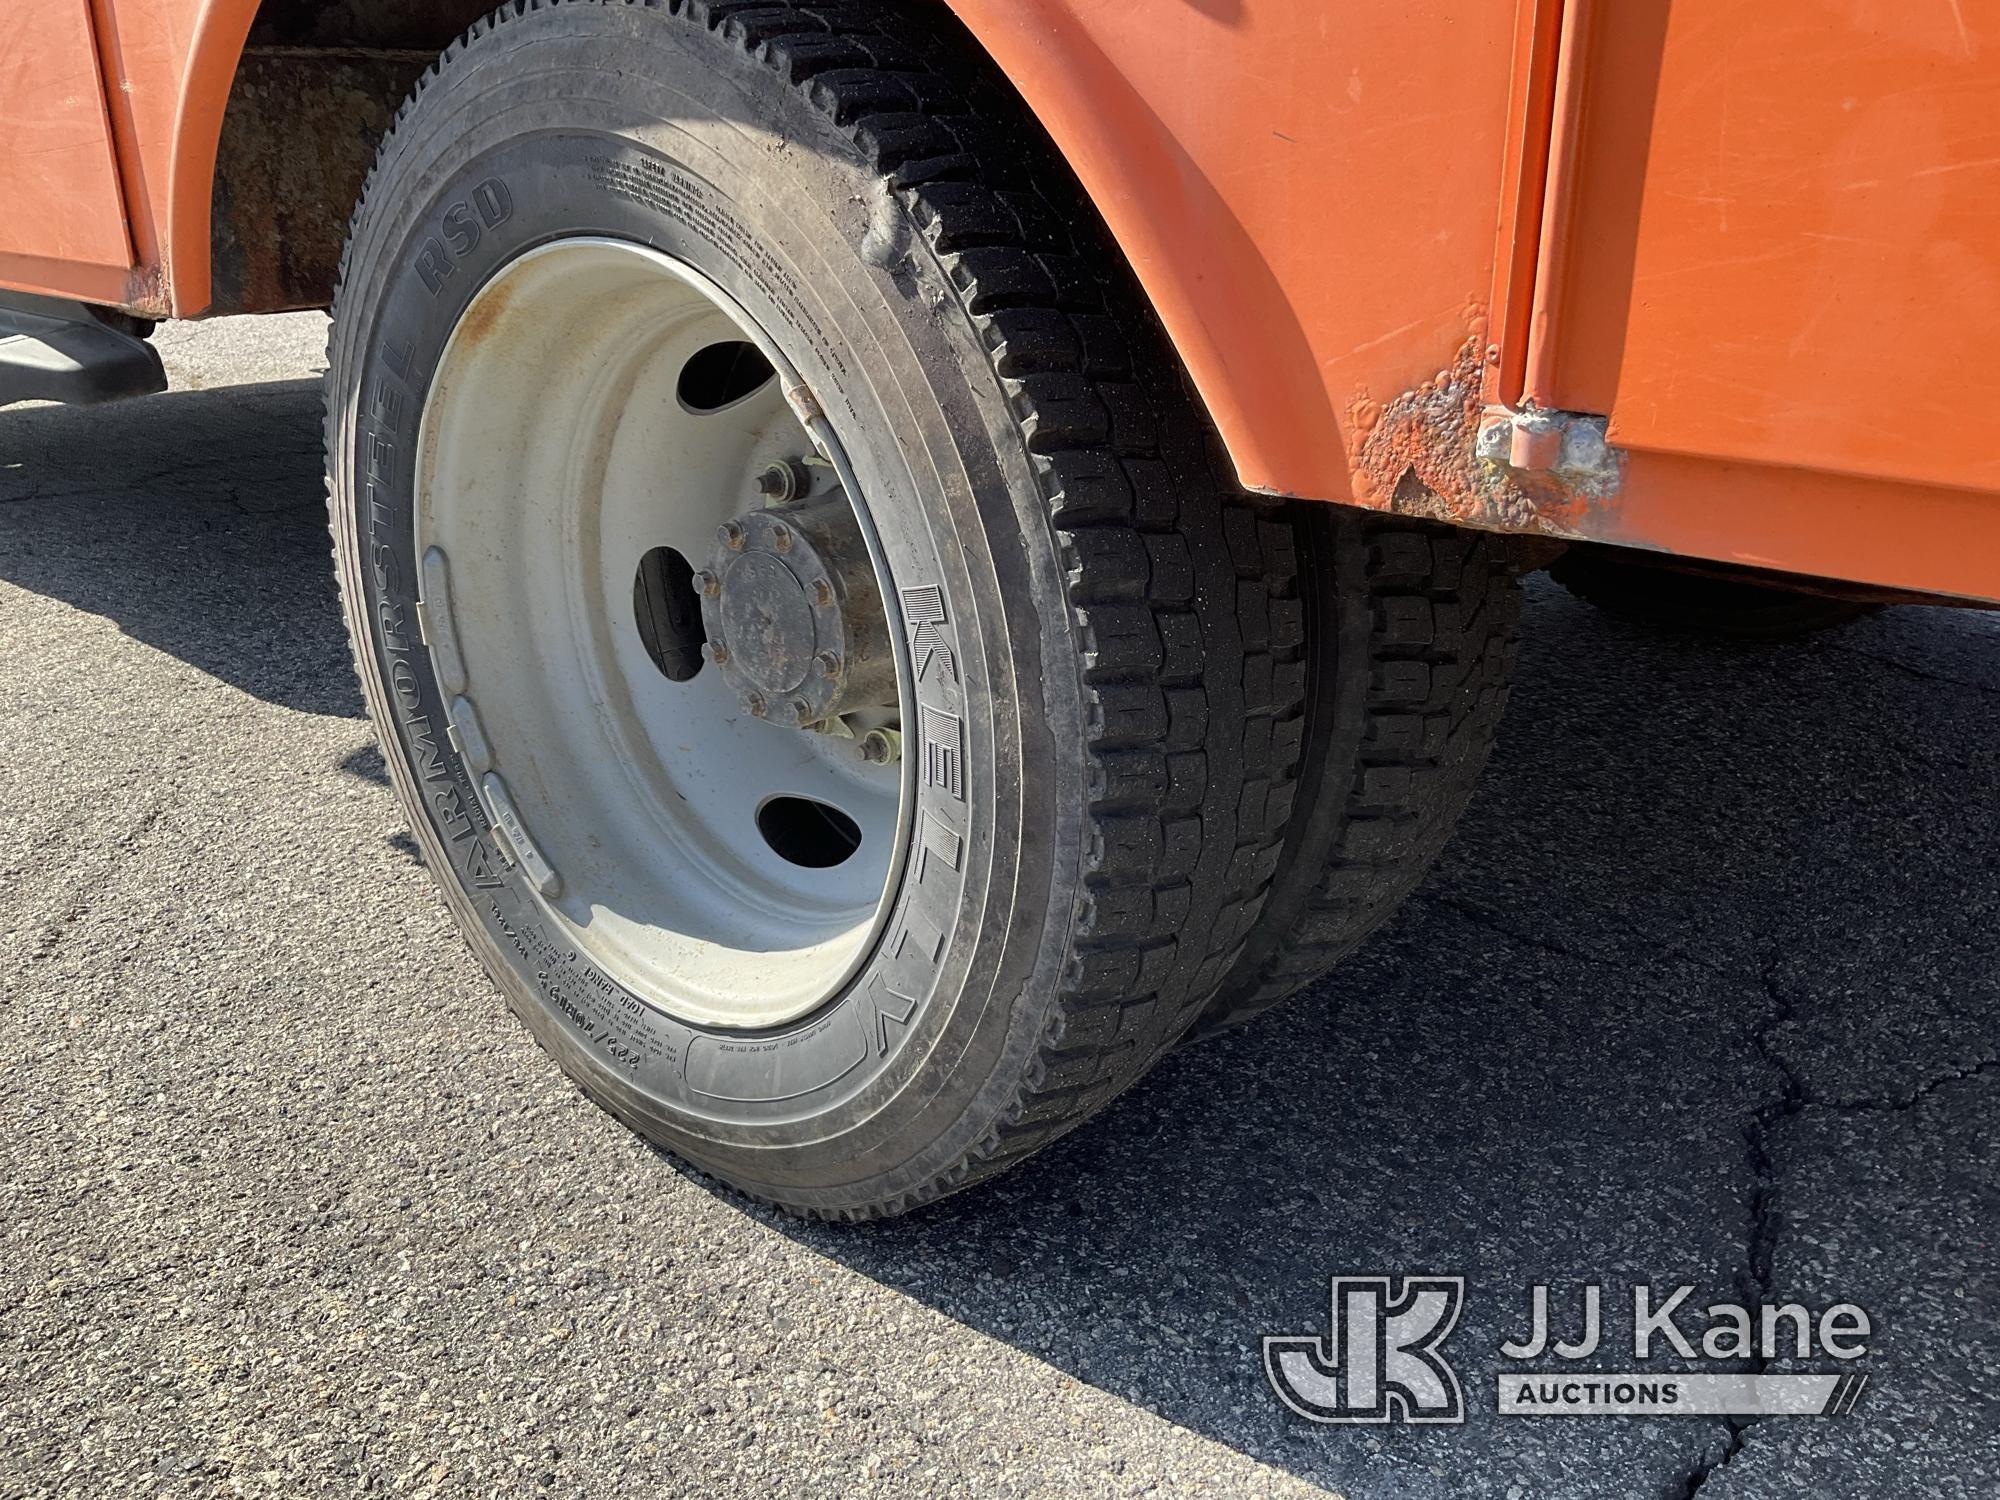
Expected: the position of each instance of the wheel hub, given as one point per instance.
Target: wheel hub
(793, 614)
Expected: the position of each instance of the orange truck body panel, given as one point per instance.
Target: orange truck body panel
(1764, 240)
(159, 73)
(58, 174)
(1785, 237)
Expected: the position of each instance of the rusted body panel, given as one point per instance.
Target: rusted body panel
(290, 167)
(1307, 190)
(1764, 241)
(170, 69)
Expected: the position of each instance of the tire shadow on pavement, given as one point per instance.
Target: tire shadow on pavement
(196, 522)
(1703, 991)
(1717, 915)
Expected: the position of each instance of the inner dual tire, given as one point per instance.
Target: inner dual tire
(629, 288)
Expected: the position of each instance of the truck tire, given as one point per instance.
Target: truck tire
(1410, 634)
(703, 371)
(1648, 595)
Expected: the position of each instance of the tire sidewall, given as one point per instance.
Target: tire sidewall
(908, 1067)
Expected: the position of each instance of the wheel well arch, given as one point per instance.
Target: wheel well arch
(282, 105)
(256, 224)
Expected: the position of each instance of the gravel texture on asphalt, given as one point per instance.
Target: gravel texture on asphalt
(1703, 991)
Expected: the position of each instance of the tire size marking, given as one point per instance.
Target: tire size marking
(386, 410)
(687, 200)
(605, 1017)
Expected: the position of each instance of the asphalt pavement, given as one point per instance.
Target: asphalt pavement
(1703, 992)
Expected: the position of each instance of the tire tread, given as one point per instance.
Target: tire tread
(1103, 409)
(1420, 620)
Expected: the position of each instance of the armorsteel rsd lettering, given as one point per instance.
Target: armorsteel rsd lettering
(463, 225)
(387, 407)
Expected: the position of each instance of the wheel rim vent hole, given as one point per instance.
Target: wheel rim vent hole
(814, 835)
(667, 607)
(722, 374)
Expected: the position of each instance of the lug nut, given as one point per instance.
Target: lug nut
(718, 653)
(730, 535)
(828, 664)
(881, 747)
(708, 583)
(822, 593)
(754, 705)
(784, 480)
(781, 538)
(803, 710)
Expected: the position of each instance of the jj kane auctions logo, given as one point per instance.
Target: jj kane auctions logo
(1382, 1361)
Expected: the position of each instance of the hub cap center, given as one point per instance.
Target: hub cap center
(767, 622)
(794, 616)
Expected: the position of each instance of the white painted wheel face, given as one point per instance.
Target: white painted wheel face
(701, 856)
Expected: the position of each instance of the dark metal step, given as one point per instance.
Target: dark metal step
(63, 351)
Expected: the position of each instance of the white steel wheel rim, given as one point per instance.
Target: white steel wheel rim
(555, 452)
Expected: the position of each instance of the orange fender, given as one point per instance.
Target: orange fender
(1307, 192)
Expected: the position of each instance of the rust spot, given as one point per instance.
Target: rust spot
(1417, 452)
(297, 142)
(146, 293)
(485, 313)
(1418, 455)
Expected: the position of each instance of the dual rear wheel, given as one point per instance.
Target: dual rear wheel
(847, 706)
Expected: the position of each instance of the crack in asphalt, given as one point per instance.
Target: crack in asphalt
(1479, 916)
(1793, 1099)
(1757, 1281)
(1782, 1012)
(1897, 1103)
(75, 903)
(1760, 1248)
(1909, 671)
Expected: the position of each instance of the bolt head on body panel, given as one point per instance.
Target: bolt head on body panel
(1537, 441)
